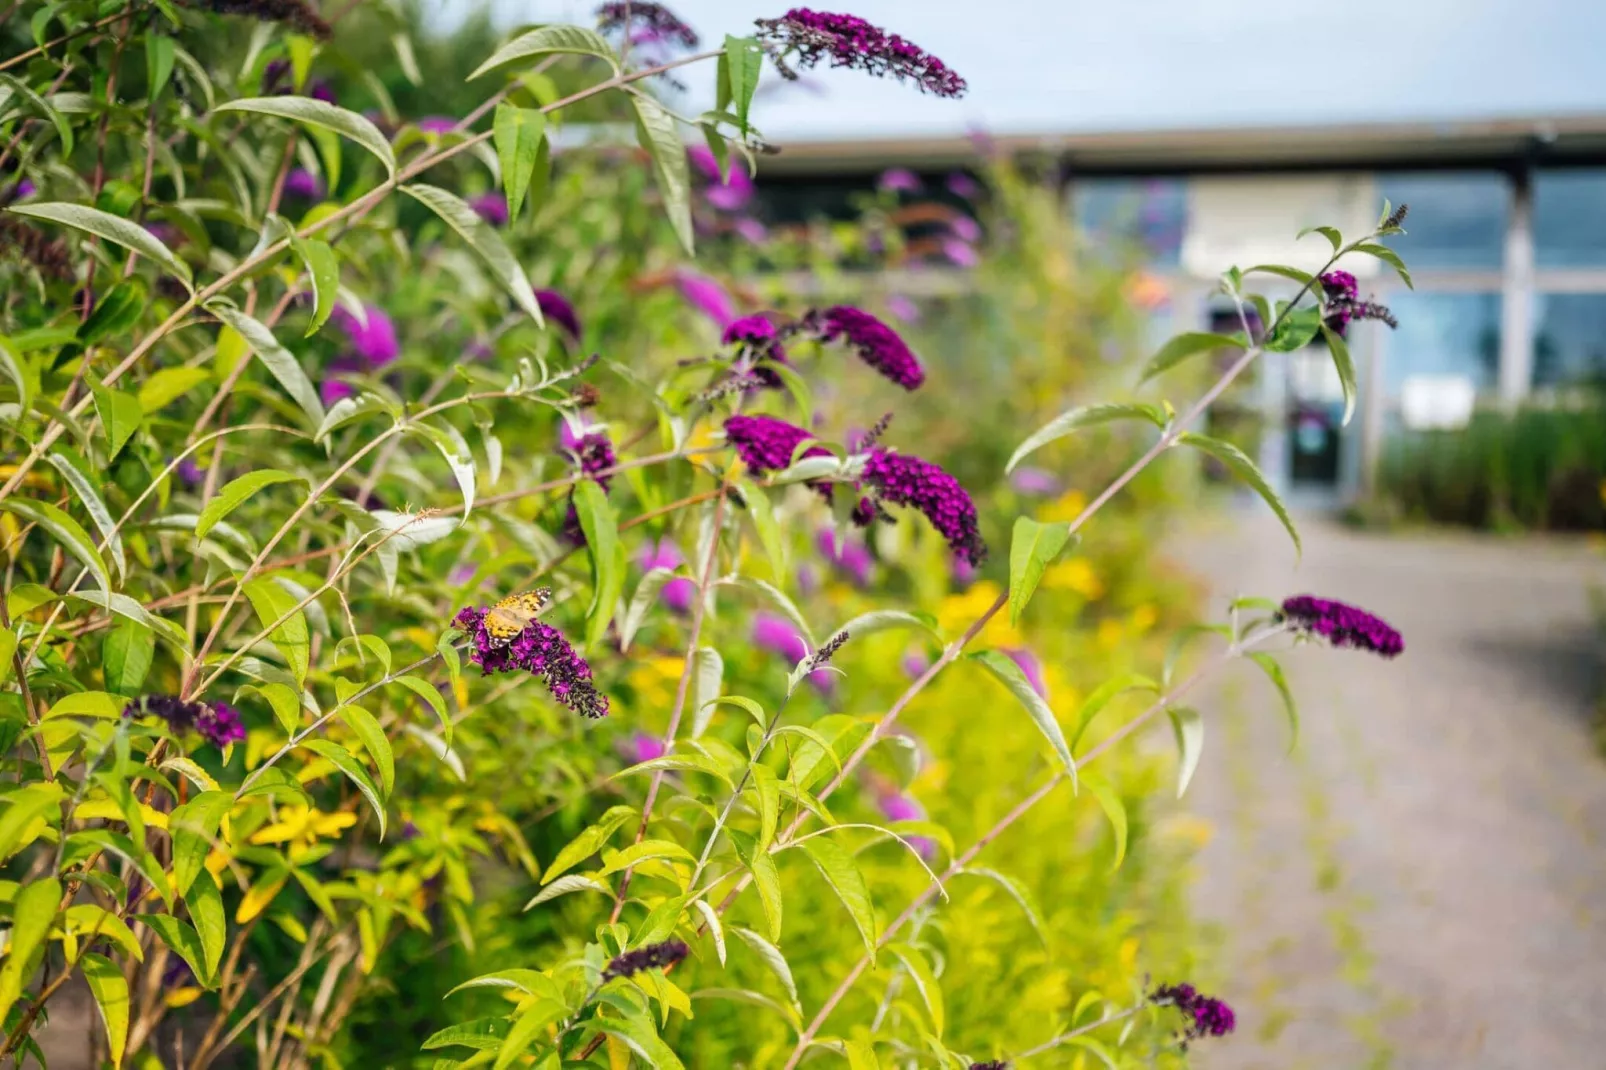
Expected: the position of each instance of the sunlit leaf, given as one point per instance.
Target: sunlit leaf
(1083, 416)
(1189, 729)
(1241, 466)
(320, 113)
(108, 227)
(657, 133)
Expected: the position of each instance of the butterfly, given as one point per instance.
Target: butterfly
(512, 615)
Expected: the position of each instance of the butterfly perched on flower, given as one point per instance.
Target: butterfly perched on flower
(513, 614)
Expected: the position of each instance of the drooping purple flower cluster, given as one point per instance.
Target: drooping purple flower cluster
(878, 345)
(217, 722)
(555, 307)
(760, 340)
(374, 340)
(593, 451)
(1341, 625)
(994, 1064)
(1344, 304)
(539, 649)
(1211, 1017)
(276, 82)
(656, 21)
(777, 635)
(297, 14)
(766, 444)
(807, 37)
(303, 184)
(491, 207)
(903, 479)
(679, 593)
(728, 189)
(651, 957)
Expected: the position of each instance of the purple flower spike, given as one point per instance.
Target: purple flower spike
(965, 228)
(915, 663)
(960, 253)
(1031, 666)
(759, 339)
(777, 635)
(852, 556)
(555, 307)
(491, 207)
(303, 184)
(541, 650)
(877, 344)
(375, 341)
(1342, 625)
(655, 21)
(220, 725)
(729, 192)
(751, 230)
(806, 38)
(639, 747)
(1210, 1017)
(903, 479)
(903, 308)
(962, 185)
(766, 444)
(679, 594)
(899, 180)
(436, 124)
(662, 554)
(189, 472)
(707, 296)
(1034, 482)
(1344, 305)
(594, 452)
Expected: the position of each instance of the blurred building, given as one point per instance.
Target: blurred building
(1506, 243)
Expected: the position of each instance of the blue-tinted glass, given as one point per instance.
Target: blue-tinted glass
(1149, 213)
(1570, 218)
(1570, 339)
(1443, 334)
(1457, 221)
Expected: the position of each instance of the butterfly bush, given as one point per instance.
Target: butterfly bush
(291, 356)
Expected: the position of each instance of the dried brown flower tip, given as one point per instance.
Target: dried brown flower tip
(47, 254)
(1396, 217)
(586, 395)
(824, 655)
(297, 14)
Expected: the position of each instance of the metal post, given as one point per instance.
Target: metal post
(1517, 293)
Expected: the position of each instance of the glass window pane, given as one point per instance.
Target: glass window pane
(1457, 221)
(1570, 339)
(1443, 334)
(1145, 215)
(1570, 218)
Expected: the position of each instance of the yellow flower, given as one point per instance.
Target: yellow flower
(1143, 618)
(1110, 633)
(301, 826)
(959, 611)
(1075, 574)
(654, 681)
(1066, 507)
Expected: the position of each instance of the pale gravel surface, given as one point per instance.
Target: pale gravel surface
(1422, 884)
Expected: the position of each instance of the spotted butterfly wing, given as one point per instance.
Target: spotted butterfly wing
(513, 614)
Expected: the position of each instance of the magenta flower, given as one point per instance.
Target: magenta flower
(555, 307)
(962, 185)
(639, 747)
(374, 341)
(1211, 1017)
(808, 579)
(963, 572)
(1034, 482)
(915, 662)
(959, 253)
(491, 207)
(903, 308)
(332, 389)
(707, 296)
(1031, 666)
(877, 344)
(189, 472)
(662, 554)
(899, 180)
(759, 339)
(22, 189)
(436, 124)
(965, 228)
(303, 184)
(806, 37)
(777, 635)
(729, 192)
(1341, 625)
(766, 444)
(678, 593)
(539, 649)
(903, 479)
(219, 724)
(652, 21)
(751, 230)
(852, 556)
(896, 807)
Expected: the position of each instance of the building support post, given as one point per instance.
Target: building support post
(1517, 293)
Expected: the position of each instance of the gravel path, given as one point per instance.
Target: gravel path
(1422, 883)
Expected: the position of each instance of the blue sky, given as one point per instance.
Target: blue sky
(1047, 66)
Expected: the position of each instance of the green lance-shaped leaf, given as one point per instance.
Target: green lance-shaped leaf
(126, 657)
(589, 841)
(483, 239)
(707, 680)
(519, 134)
(158, 64)
(367, 729)
(235, 494)
(741, 65)
(18, 825)
(1100, 697)
(1344, 364)
(205, 904)
(432, 698)
(655, 130)
(772, 958)
(682, 763)
(1032, 548)
(120, 415)
(1389, 257)
(638, 1035)
(348, 124)
(842, 874)
(1189, 729)
(1274, 673)
(886, 620)
(925, 982)
(1297, 329)
(110, 989)
(642, 601)
(600, 523)
(1004, 669)
(459, 457)
(1304, 278)
(167, 385)
(90, 498)
(1081, 417)
(1334, 238)
(112, 228)
(1245, 469)
(1115, 810)
(194, 826)
(279, 360)
(33, 912)
(768, 527)
(1184, 346)
(41, 108)
(574, 882)
(861, 1054)
(115, 313)
(539, 42)
(766, 880)
(290, 636)
(481, 1034)
(347, 763)
(324, 269)
(182, 940)
(16, 368)
(66, 531)
(1020, 894)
